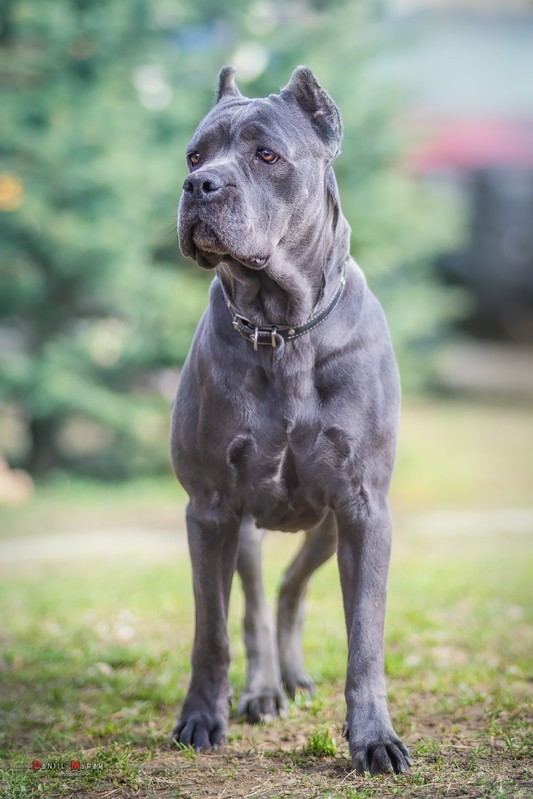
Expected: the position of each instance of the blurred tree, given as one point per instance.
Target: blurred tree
(84, 318)
(98, 101)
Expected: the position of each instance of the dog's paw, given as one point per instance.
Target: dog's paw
(378, 754)
(295, 682)
(201, 730)
(262, 706)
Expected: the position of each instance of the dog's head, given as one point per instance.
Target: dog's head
(259, 173)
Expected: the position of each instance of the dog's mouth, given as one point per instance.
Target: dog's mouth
(205, 239)
(258, 262)
(209, 251)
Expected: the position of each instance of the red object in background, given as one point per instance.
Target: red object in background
(468, 144)
(36, 765)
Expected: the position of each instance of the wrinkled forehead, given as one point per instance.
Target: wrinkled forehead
(271, 122)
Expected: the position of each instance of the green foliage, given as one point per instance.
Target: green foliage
(98, 101)
(89, 314)
(320, 743)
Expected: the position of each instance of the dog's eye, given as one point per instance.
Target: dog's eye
(266, 155)
(194, 158)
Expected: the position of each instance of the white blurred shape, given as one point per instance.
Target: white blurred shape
(251, 60)
(154, 90)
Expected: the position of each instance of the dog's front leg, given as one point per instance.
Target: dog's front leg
(213, 543)
(364, 533)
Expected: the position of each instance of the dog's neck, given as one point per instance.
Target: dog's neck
(297, 283)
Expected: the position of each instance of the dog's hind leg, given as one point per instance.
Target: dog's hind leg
(264, 696)
(319, 545)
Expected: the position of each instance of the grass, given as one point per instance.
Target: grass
(320, 743)
(97, 630)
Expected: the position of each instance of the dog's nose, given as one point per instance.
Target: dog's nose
(203, 185)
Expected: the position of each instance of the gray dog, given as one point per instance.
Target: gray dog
(286, 412)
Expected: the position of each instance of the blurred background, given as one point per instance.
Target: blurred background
(98, 100)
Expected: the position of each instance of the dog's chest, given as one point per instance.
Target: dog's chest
(287, 458)
(274, 483)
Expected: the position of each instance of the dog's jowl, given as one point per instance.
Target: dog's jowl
(286, 412)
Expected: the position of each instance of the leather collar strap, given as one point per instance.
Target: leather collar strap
(273, 335)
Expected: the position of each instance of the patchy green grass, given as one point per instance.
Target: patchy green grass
(98, 622)
(320, 743)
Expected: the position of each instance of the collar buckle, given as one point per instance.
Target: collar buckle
(271, 333)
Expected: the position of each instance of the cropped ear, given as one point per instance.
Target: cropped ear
(226, 84)
(304, 89)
